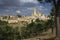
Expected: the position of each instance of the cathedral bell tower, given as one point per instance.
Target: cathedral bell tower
(34, 12)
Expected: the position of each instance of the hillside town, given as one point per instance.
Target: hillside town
(29, 19)
(15, 19)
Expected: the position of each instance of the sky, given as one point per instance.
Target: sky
(23, 7)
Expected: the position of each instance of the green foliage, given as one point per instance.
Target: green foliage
(31, 30)
(40, 1)
(3, 22)
(9, 33)
(37, 20)
(53, 11)
(35, 28)
(4, 17)
(47, 1)
(19, 16)
(50, 23)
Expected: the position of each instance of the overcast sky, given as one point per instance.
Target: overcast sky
(22, 7)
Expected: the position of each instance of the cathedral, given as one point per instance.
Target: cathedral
(41, 16)
(35, 13)
(34, 16)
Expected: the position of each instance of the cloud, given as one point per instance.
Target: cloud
(7, 10)
(5, 4)
(31, 8)
(28, 5)
(1, 2)
(42, 8)
(38, 7)
(24, 7)
(18, 11)
(29, 1)
(9, 2)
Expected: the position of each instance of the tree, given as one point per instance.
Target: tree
(50, 24)
(4, 17)
(33, 29)
(19, 16)
(56, 14)
(9, 33)
(53, 11)
(52, 17)
(2, 23)
(37, 20)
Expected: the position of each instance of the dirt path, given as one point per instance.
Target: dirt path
(44, 35)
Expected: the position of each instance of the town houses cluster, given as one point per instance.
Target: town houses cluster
(16, 19)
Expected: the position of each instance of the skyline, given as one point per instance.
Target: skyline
(23, 7)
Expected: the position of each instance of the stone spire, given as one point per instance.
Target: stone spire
(34, 12)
